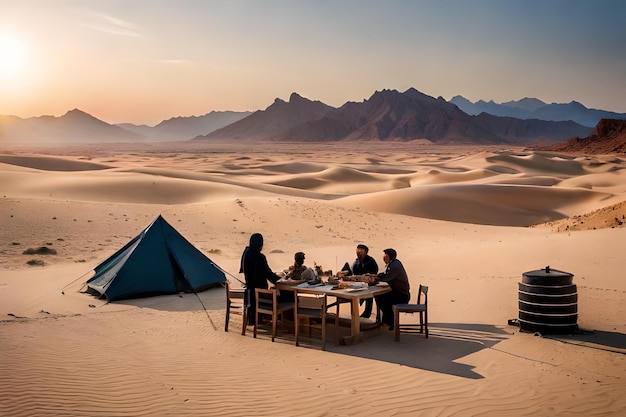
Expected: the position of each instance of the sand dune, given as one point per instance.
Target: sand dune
(456, 217)
(496, 204)
(50, 164)
(535, 163)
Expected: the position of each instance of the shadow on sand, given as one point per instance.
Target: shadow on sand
(595, 339)
(447, 342)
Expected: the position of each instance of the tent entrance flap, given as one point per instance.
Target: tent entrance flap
(181, 284)
(107, 273)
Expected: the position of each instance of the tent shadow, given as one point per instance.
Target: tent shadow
(212, 299)
(447, 342)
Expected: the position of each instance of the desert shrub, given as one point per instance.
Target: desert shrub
(36, 262)
(43, 250)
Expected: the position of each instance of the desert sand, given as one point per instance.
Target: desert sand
(466, 222)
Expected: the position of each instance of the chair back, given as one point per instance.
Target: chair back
(237, 295)
(267, 303)
(266, 300)
(309, 305)
(235, 303)
(423, 289)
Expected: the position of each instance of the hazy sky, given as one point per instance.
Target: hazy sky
(144, 61)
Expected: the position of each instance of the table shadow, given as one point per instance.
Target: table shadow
(446, 344)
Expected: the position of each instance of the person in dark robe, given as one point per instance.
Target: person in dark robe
(256, 272)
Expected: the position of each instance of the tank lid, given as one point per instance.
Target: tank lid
(547, 272)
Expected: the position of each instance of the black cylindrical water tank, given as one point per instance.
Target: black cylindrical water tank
(548, 301)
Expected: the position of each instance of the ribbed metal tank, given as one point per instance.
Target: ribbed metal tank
(548, 302)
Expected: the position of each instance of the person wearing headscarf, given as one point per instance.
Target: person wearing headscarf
(256, 272)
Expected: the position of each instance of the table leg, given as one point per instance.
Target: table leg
(356, 318)
(355, 324)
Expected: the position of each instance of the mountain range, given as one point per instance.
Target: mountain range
(184, 128)
(532, 108)
(76, 126)
(388, 115)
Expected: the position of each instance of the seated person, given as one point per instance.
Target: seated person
(294, 272)
(362, 265)
(299, 272)
(395, 275)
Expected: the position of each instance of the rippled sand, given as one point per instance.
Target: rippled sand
(458, 217)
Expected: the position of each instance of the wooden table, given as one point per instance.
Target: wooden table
(348, 294)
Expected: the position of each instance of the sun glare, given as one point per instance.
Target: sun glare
(12, 56)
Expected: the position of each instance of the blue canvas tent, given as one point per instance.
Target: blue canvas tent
(157, 261)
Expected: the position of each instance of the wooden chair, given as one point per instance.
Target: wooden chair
(236, 304)
(421, 308)
(310, 306)
(267, 303)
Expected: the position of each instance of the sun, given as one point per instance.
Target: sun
(12, 56)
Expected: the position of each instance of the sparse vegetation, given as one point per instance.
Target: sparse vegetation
(43, 250)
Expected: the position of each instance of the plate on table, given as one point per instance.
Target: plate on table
(382, 284)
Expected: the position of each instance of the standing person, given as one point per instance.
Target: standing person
(394, 275)
(256, 272)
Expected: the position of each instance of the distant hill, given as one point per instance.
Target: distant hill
(532, 108)
(185, 128)
(489, 107)
(608, 137)
(390, 115)
(77, 126)
(74, 126)
(273, 121)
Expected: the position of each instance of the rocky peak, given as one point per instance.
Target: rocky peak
(609, 127)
